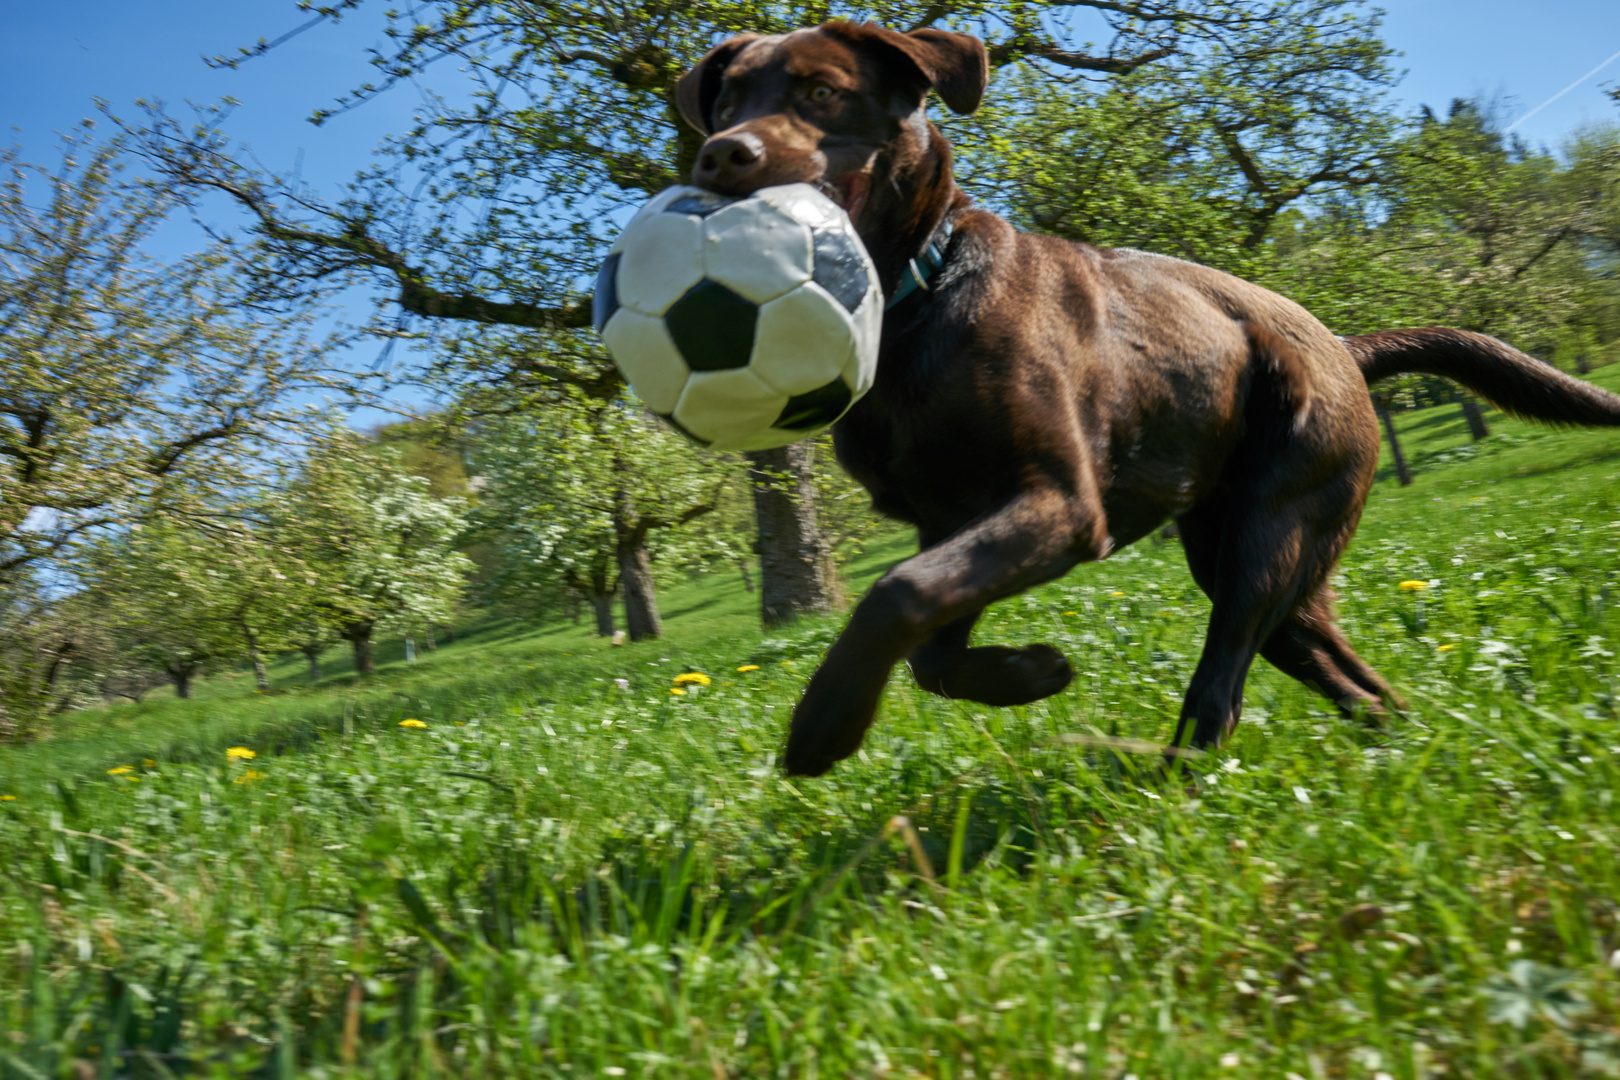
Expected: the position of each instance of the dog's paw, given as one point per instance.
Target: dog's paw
(995, 674)
(832, 718)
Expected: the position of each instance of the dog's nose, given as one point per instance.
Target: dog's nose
(727, 162)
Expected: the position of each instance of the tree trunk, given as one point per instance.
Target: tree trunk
(1475, 416)
(181, 673)
(748, 579)
(635, 570)
(260, 676)
(359, 635)
(1581, 365)
(428, 638)
(602, 607)
(793, 558)
(640, 600)
(598, 590)
(313, 655)
(1401, 470)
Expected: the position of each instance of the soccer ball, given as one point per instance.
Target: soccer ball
(746, 323)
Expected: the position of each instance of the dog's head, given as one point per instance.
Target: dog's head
(837, 106)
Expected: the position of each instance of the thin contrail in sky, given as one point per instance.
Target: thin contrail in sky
(1562, 92)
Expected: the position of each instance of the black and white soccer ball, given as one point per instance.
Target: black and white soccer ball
(748, 322)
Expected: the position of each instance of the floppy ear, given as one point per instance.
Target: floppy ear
(697, 90)
(955, 65)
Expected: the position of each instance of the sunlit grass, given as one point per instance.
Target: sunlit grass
(566, 870)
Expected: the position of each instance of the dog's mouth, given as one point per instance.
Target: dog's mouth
(849, 191)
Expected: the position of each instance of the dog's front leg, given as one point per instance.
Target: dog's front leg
(1036, 537)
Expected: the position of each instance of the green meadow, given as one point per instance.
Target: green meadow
(525, 855)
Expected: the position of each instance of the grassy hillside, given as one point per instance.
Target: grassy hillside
(559, 875)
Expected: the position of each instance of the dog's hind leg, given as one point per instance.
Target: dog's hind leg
(1262, 552)
(1310, 647)
(989, 674)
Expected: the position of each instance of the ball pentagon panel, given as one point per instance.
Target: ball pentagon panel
(804, 340)
(697, 202)
(815, 409)
(755, 249)
(647, 357)
(713, 327)
(661, 260)
(605, 300)
(841, 267)
(733, 410)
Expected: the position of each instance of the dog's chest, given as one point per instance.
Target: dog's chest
(929, 454)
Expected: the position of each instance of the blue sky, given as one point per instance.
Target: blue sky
(56, 57)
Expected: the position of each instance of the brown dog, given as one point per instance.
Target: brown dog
(1044, 403)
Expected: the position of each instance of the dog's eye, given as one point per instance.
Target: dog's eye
(821, 93)
(724, 111)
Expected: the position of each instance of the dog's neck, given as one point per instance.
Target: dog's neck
(913, 194)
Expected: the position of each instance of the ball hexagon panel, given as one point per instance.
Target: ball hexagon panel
(841, 267)
(861, 370)
(733, 410)
(804, 204)
(662, 259)
(605, 300)
(654, 205)
(647, 356)
(803, 341)
(713, 327)
(676, 424)
(815, 409)
(757, 250)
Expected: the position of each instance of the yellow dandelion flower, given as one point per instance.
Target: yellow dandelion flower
(749, 667)
(1413, 586)
(149, 763)
(412, 723)
(677, 691)
(8, 798)
(250, 776)
(787, 663)
(121, 770)
(1071, 613)
(1116, 594)
(240, 753)
(692, 678)
(461, 723)
(1444, 648)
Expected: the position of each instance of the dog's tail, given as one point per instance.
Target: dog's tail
(1511, 380)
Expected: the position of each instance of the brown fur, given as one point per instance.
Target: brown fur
(1047, 403)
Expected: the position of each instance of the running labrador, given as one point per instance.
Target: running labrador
(1041, 403)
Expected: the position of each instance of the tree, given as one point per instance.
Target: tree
(380, 550)
(585, 494)
(496, 207)
(1199, 154)
(127, 387)
(172, 594)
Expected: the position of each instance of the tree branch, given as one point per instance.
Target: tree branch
(1023, 47)
(416, 295)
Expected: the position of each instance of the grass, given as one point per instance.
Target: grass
(561, 877)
